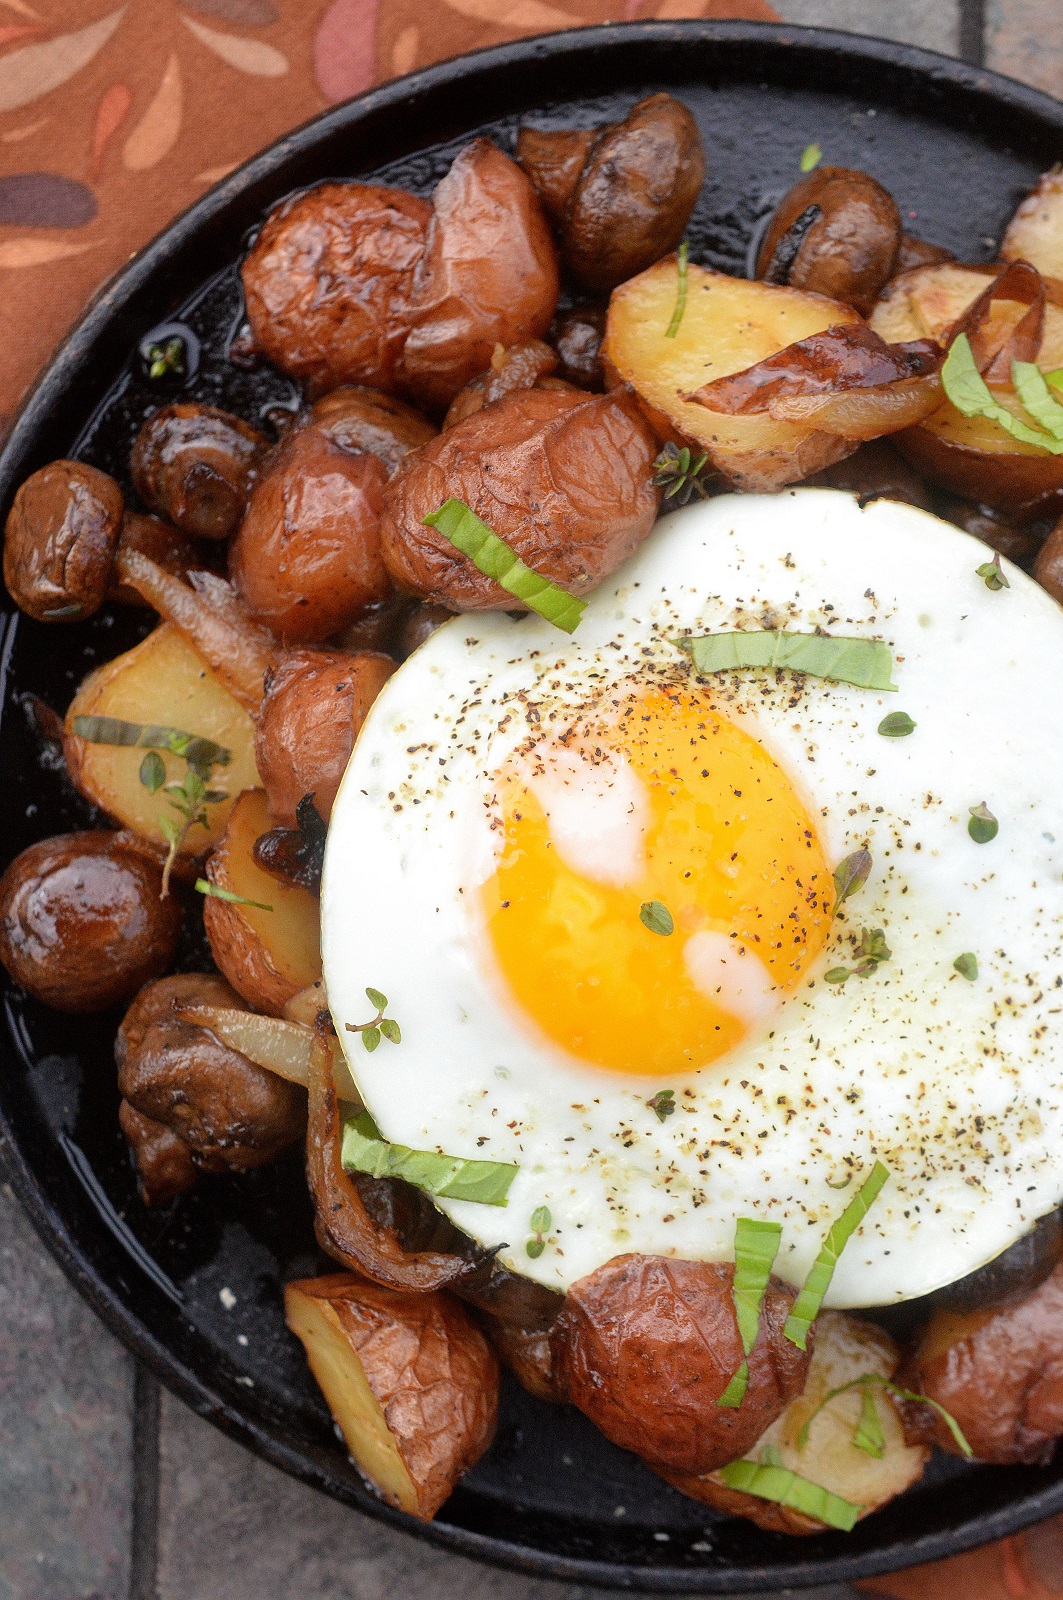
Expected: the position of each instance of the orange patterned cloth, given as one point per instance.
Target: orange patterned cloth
(116, 114)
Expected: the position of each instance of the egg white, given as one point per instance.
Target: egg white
(956, 1086)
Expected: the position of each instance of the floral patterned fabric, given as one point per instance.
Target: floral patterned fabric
(117, 114)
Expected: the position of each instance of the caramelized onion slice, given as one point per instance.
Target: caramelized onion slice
(1020, 283)
(864, 413)
(344, 1227)
(847, 358)
(271, 1042)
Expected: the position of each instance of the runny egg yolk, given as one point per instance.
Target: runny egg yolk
(668, 801)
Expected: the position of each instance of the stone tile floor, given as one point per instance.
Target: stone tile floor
(109, 1491)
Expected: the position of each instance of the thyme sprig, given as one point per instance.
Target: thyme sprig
(378, 1027)
(167, 359)
(662, 1104)
(539, 1222)
(678, 473)
(871, 951)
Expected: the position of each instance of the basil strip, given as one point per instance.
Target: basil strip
(806, 1306)
(790, 1489)
(869, 1436)
(197, 751)
(970, 394)
(867, 1383)
(451, 1177)
(867, 663)
(494, 558)
(213, 889)
(1037, 397)
(756, 1246)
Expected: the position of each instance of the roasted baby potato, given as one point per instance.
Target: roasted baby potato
(646, 1345)
(161, 681)
(563, 477)
(328, 283)
(163, 1161)
(366, 421)
(194, 464)
(523, 366)
(846, 1349)
(314, 707)
(999, 1373)
(60, 539)
(728, 325)
(1035, 232)
(489, 275)
(836, 232)
(306, 559)
(577, 337)
(410, 1379)
(161, 543)
(230, 1113)
(972, 456)
(83, 922)
(1048, 567)
(622, 195)
(267, 955)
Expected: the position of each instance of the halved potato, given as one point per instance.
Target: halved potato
(729, 324)
(160, 681)
(267, 956)
(845, 1348)
(1035, 232)
(410, 1379)
(972, 456)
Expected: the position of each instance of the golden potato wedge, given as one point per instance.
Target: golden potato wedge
(972, 456)
(410, 1379)
(729, 324)
(845, 1348)
(1035, 232)
(163, 681)
(267, 956)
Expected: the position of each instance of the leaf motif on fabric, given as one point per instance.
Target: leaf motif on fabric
(156, 133)
(23, 10)
(36, 69)
(110, 114)
(38, 252)
(404, 51)
(16, 135)
(345, 49)
(45, 200)
(246, 55)
(522, 16)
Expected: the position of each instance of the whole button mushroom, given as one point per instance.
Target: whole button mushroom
(60, 539)
(83, 923)
(194, 464)
(836, 232)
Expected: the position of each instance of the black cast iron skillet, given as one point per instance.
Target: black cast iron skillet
(957, 147)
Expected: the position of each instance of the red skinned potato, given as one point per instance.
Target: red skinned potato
(328, 283)
(410, 1379)
(564, 478)
(314, 707)
(646, 1345)
(307, 559)
(366, 421)
(489, 275)
(1048, 568)
(836, 232)
(621, 195)
(60, 539)
(999, 1372)
(83, 922)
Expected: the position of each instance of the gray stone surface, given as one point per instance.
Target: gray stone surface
(233, 1528)
(1024, 38)
(931, 23)
(66, 1392)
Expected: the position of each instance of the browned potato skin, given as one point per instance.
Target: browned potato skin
(999, 1373)
(307, 557)
(328, 283)
(915, 252)
(850, 250)
(430, 1370)
(875, 472)
(577, 337)
(314, 707)
(523, 366)
(60, 539)
(1048, 568)
(163, 1161)
(194, 464)
(632, 195)
(489, 275)
(82, 921)
(366, 421)
(420, 625)
(564, 478)
(231, 1113)
(160, 542)
(646, 1345)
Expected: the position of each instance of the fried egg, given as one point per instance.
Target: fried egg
(597, 889)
